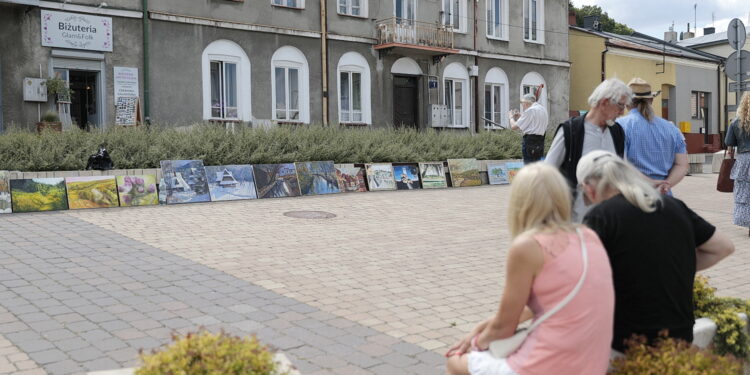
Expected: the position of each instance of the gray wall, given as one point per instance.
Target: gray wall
(689, 79)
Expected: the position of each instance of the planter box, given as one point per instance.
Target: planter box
(54, 126)
(281, 360)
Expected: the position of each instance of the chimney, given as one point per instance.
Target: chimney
(671, 35)
(572, 17)
(687, 34)
(709, 30)
(592, 23)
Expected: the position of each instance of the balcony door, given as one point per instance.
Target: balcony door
(405, 101)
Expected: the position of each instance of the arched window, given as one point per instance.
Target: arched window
(226, 82)
(496, 98)
(456, 94)
(353, 74)
(290, 86)
(533, 83)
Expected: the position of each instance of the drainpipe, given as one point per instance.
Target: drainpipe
(718, 100)
(604, 63)
(476, 79)
(324, 57)
(146, 80)
(2, 127)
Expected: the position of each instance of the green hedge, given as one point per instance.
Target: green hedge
(135, 148)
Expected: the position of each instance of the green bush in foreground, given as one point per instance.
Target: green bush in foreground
(135, 148)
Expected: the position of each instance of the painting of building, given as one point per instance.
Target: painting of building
(5, 206)
(432, 175)
(380, 176)
(185, 181)
(497, 173)
(92, 192)
(317, 177)
(351, 179)
(464, 172)
(406, 177)
(38, 194)
(231, 182)
(137, 190)
(276, 180)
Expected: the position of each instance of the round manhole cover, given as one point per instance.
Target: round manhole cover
(310, 214)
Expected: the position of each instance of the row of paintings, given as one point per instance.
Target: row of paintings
(188, 181)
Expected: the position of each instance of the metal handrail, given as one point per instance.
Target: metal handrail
(501, 126)
(407, 31)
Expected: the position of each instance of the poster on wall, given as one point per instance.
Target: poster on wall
(127, 111)
(126, 82)
(78, 31)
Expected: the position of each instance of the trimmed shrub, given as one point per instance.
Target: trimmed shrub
(731, 332)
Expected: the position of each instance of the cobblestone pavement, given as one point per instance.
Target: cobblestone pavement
(382, 288)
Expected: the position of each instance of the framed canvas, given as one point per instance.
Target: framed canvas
(185, 181)
(38, 194)
(464, 172)
(351, 179)
(137, 190)
(5, 206)
(231, 182)
(317, 177)
(497, 173)
(406, 177)
(162, 191)
(92, 192)
(432, 175)
(276, 180)
(513, 168)
(380, 176)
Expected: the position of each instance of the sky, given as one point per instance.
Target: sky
(654, 17)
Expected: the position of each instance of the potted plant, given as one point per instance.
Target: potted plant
(59, 88)
(50, 121)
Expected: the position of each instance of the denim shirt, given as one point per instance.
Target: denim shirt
(738, 137)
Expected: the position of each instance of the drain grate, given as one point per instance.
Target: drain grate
(310, 214)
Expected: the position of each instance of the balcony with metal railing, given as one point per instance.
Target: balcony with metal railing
(432, 38)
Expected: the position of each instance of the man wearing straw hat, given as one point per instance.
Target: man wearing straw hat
(653, 145)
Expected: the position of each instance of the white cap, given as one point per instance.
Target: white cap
(587, 162)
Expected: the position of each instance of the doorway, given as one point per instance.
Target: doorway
(405, 101)
(84, 108)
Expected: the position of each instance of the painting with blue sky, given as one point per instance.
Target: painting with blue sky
(231, 182)
(406, 177)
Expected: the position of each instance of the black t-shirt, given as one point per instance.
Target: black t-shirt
(653, 265)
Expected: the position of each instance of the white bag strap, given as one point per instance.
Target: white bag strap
(584, 256)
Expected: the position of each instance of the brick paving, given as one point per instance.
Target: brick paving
(382, 288)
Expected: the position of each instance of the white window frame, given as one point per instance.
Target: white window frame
(348, 8)
(497, 77)
(282, 3)
(535, 79)
(405, 9)
(504, 21)
(223, 91)
(353, 62)
(456, 72)
(449, 15)
(528, 6)
(227, 51)
(289, 57)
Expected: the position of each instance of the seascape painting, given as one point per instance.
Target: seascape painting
(513, 168)
(5, 206)
(38, 194)
(92, 192)
(276, 180)
(317, 177)
(185, 181)
(497, 173)
(137, 190)
(432, 175)
(380, 176)
(351, 179)
(231, 182)
(464, 172)
(406, 177)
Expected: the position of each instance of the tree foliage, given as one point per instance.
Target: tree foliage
(608, 23)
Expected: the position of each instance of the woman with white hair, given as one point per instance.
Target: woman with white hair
(561, 272)
(655, 245)
(738, 136)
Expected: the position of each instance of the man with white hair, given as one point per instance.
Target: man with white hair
(533, 123)
(595, 130)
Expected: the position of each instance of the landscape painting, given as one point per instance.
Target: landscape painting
(464, 172)
(92, 192)
(231, 182)
(162, 192)
(276, 180)
(185, 181)
(137, 190)
(513, 168)
(380, 176)
(406, 177)
(351, 179)
(497, 173)
(38, 194)
(317, 177)
(432, 175)
(5, 206)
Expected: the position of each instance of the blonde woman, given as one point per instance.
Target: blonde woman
(738, 135)
(544, 263)
(655, 245)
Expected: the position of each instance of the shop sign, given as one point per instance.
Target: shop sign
(78, 31)
(126, 82)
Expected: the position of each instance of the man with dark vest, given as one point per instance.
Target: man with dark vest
(595, 130)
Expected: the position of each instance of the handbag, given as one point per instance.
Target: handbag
(725, 184)
(504, 347)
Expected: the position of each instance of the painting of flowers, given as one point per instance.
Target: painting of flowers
(137, 190)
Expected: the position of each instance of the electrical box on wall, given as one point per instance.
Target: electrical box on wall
(438, 115)
(473, 70)
(34, 90)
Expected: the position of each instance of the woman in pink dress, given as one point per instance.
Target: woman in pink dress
(544, 264)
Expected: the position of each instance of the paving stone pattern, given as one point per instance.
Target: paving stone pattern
(78, 298)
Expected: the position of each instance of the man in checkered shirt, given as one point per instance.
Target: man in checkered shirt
(653, 145)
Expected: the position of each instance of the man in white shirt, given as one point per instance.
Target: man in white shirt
(533, 123)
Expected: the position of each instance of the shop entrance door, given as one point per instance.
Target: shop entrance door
(84, 106)
(405, 101)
